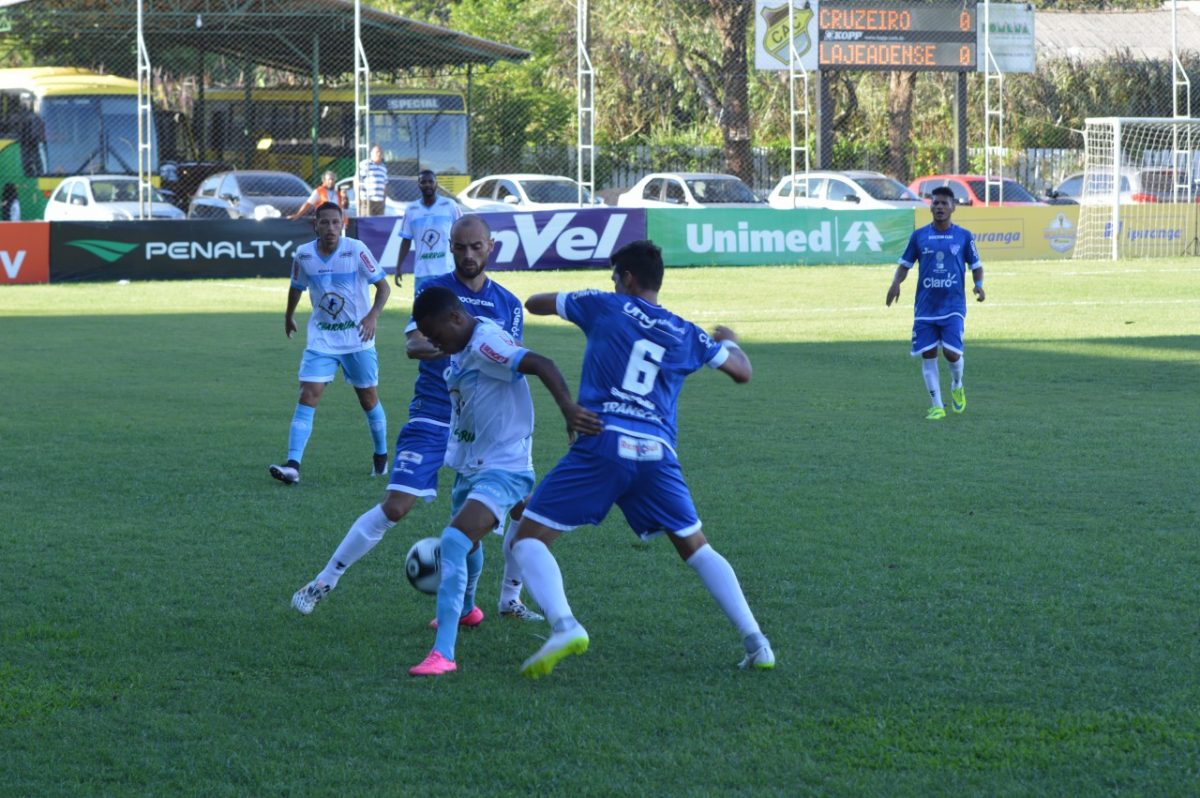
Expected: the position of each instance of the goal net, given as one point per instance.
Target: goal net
(1140, 188)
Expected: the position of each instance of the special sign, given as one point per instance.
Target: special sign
(883, 34)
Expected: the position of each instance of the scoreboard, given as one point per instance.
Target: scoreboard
(897, 34)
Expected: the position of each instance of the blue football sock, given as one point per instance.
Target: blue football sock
(301, 429)
(455, 546)
(377, 422)
(474, 568)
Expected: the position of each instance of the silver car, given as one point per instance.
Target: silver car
(248, 195)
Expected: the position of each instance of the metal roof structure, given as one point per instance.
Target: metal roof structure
(1095, 35)
(283, 34)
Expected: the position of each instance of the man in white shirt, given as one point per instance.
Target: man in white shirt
(426, 228)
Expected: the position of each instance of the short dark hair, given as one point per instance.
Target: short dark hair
(429, 172)
(942, 191)
(328, 206)
(434, 301)
(642, 259)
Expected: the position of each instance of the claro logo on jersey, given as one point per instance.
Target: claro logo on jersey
(570, 242)
(704, 238)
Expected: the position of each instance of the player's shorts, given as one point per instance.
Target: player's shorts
(947, 332)
(639, 475)
(420, 451)
(495, 489)
(360, 368)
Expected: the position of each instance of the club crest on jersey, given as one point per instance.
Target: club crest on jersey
(332, 303)
(492, 354)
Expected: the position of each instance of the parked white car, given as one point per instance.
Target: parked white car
(857, 190)
(1154, 184)
(524, 192)
(104, 198)
(689, 190)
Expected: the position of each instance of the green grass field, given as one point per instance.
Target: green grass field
(1002, 603)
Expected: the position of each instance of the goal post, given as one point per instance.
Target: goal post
(1140, 188)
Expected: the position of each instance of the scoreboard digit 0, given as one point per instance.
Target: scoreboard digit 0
(897, 34)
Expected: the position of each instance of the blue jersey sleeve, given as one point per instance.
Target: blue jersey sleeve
(582, 308)
(970, 252)
(911, 253)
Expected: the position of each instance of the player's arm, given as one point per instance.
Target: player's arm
(366, 327)
(289, 321)
(894, 290)
(418, 347)
(543, 304)
(977, 276)
(405, 246)
(303, 209)
(579, 418)
(736, 364)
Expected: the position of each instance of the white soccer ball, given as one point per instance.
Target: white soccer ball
(423, 565)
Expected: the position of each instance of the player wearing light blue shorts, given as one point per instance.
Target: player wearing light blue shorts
(421, 444)
(491, 444)
(637, 356)
(336, 272)
(426, 231)
(944, 251)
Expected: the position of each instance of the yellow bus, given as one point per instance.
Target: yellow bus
(61, 121)
(417, 129)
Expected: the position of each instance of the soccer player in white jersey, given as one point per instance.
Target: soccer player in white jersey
(491, 442)
(945, 251)
(427, 222)
(421, 444)
(637, 356)
(336, 271)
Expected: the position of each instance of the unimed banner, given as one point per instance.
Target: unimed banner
(766, 236)
(169, 249)
(569, 239)
(24, 252)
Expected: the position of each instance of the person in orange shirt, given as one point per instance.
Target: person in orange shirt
(322, 194)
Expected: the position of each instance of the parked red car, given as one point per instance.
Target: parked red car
(969, 190)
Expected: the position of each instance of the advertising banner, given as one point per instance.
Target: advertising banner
(1027, 232)
(167, 250)
(766, 236)
(1010, 35)
(24, 252)
(567, 239)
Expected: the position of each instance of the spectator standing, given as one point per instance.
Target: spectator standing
(322, 194)
(372, 183)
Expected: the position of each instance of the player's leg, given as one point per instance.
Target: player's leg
(578, 491)
(510, 604)
(660, 499)
(925, 340)
(479, 502)
(952, 348)
(420, 449)
(316, 371)
(362, 372)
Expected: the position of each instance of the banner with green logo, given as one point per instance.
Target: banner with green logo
(767, 236)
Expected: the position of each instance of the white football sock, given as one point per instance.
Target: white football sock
(933, 379)
(956, 372)
(510, 585)
(544, 579)
(362, 537)
(717, 575)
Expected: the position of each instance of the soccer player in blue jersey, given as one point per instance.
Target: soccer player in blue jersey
(945, 251)
(637, 356)
(336, 271)
(427, 222)
(491, 442)
(421, 445)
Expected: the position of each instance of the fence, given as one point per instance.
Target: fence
(469, 91)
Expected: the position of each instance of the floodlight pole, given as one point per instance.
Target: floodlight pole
(1181, 151)
(992, 74)
(796, 111)
(362, 107)
(145, 118)
(585, 107)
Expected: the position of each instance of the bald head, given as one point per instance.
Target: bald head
(475, 223)
(471, 246)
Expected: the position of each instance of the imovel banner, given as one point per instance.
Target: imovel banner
(565, 239)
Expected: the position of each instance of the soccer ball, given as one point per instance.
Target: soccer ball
(423, 565)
